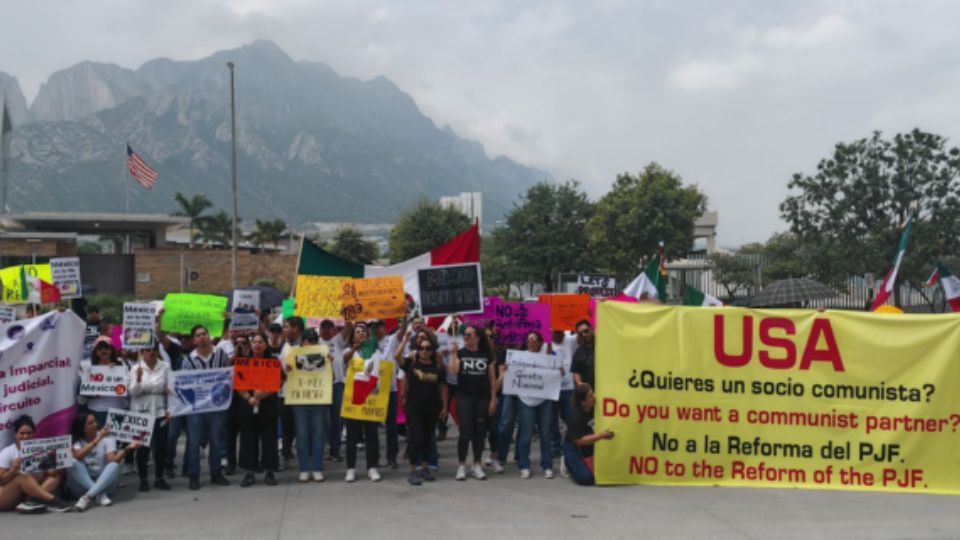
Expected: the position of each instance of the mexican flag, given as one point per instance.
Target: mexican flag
(889, 282)
(652, 282)
(464, 248)
(696, 297)
(950, 283)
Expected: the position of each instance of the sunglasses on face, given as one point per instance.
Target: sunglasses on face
(427, 349)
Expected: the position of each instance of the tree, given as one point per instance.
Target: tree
(641, 211)
(350, 244)
(218, 228)
(544, 234)
(733, 272)
(424, 226)
(192, 208)
(850, 212)
(267, 231)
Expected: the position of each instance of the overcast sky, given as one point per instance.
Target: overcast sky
(735, 96)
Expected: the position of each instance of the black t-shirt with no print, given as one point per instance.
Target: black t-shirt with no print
(584, 365)
(580, 425)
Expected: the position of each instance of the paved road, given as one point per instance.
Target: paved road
(501, 507)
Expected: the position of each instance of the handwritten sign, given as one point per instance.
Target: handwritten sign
(450, 289)
(373, 298)
(139, 325)
(130, 426)
(245, 306)
(52, 453)
(103, 381)
(7, 314)
(254, 374)
(532, 375)
(183, 311)
(319, 296)
(193, 391)
(597, 285)
(310, 376)
(514, 321)
(21, 284)
(566, 309)
(65, 273)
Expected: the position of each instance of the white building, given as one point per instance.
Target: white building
(470, 203)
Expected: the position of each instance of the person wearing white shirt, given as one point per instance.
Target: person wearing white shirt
(534, 410)
(336, 342)
(148, 395)
(387, 345)
(96, 466)
(26, 492)
(563, 344)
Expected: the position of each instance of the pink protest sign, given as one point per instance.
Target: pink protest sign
(482, 320)
(116, 336)
(515, 321)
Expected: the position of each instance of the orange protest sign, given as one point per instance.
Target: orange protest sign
(261, 374)
(373, 298)
(566, 309)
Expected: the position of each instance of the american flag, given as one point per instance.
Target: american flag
(139, 169)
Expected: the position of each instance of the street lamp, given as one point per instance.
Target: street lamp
(233, 173)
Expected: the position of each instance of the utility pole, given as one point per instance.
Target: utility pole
(233, 168)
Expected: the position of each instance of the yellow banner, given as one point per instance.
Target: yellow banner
(374, 407)
(777, 398)
(309, 376)
(373, 298)
(14, 288)
(319, 296)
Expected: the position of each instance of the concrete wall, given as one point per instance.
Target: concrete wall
(108, 273)
(161, 271)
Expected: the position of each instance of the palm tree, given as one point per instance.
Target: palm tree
(218, 228)
(267, 231)
(192, 208)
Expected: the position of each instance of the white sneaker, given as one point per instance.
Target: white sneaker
(496, 466)
(351, 475)
(304, 476)
(128, 469)
(82, 504)
(103, 500)
(563, 469)
(318, 476)
(477, 472)
(461, 473)
(548, 474)
(525, 473)
(374, 474)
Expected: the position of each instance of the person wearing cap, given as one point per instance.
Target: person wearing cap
(337, 343)
(104, 355)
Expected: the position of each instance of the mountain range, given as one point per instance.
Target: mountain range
(312, 146)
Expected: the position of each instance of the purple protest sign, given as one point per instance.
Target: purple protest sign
(515, 321)
(482, 320)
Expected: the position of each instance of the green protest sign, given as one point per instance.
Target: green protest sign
(288, 308)
(183, 311)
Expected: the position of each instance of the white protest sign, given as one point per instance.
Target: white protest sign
(103, 381)
(139, 325)
(46, 454)
(193, 391)
(245, 306)
(8, 314)
(532, 375)
(39, 364)
(130, 427)
(65, 272)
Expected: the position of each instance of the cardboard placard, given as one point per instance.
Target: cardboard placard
(52, 453)
(245, 306)
(103, 381)
(257, 374)
(130, 426)
(319, 296)
(373, 298)
(449, 289)
(65, 273)
(310, 377)
(566, 309)
(192, 391)
(532, 375)
(139, 325)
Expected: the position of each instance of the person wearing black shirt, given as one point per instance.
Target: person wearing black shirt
(476, 396)
(583, 358)
(580, 438)
(425, 403)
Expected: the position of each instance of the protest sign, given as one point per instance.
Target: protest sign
(183, 311)
(566, 309)
(65, 273)
(777, 398)
(319, 296)
(310, 377)
(130, 427)
(532, 375)
(139, 325)
(7, 314)
(91, 333)
(39, 365)
(245, 306)
(597, 285)
(287, 308)
(372, 396)
(254, 374)
(22, 284)
(514, 321)
(103, 381)
(489, 315)
(193, 391)
(373, 298)
(51, 453)
(595, 301)
(449, 289)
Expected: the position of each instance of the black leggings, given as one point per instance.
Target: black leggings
(158, 443)
(371, 440)
(421, 421)
(258, 434)
(472, 411)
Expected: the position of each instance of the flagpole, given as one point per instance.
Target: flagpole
(126, 179)
(233, 163)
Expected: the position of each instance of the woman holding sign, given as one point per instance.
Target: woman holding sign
(259, 412)
(539, 411)
(24, 491)
(96, 466)
(105, 355)
(364, 357)
(148, 395)
(476, 395)
(426, 401)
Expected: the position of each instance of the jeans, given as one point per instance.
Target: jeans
(579, 472)
(206, 426)
(508, 422)
(81, 482)
(178, 425)
(311, 425)
(393, 437)
(542, 414)
(336, 424)
(561, 410)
